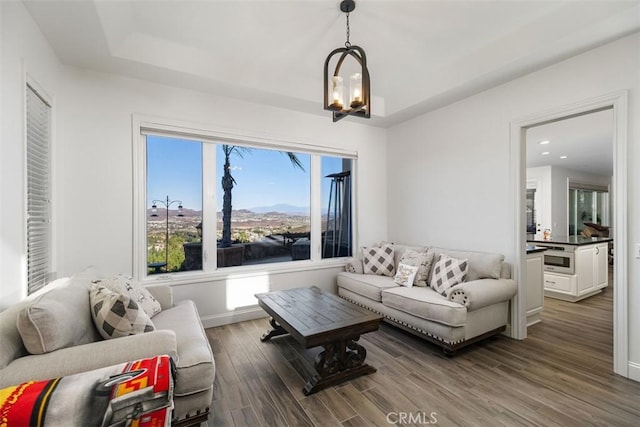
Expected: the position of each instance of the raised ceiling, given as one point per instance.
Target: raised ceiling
(421, 54)
(583, 143)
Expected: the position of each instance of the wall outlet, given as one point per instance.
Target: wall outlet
(637, 250)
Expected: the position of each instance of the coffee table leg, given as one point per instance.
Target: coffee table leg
(276, 330)
(340, 361)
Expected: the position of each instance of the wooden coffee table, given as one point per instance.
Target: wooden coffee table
(315, 318)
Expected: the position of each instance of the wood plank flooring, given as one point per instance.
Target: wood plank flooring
(562, 375)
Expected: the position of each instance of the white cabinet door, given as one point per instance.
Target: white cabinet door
(585, 268)
(601, 265)
(535, 289)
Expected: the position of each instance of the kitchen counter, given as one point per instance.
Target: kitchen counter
(575, 267)
(532, 249)
(569, 240)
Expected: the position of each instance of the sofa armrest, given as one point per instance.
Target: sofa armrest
(163, 293)
(482, 292)
(86, 357)
(354, 266)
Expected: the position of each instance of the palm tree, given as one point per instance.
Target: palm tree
(227, 185)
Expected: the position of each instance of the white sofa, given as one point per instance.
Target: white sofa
(472, 310)
(71, 343)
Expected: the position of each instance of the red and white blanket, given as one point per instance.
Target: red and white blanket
(138, 394)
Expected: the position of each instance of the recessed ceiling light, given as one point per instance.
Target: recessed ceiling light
(563, 157)
(545, 153)
(544, 142)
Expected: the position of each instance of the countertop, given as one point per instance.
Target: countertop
(533, 249)
(568, 240)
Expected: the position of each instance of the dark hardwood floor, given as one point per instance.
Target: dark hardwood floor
(562, 375)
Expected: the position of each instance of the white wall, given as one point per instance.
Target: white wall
(23, 50)
(449, 170)
(94, 196)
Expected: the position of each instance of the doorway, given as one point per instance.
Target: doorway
(618, 103)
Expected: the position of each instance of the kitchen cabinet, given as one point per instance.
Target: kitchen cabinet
(590, 275)
(535, 287)
(602, 266)
(591, 268)
(563, 283)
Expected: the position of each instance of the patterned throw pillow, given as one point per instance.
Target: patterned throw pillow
(423, 261)
(117, 315)
(448, 272)
(405, 275)
(379, 261)
(127, 285)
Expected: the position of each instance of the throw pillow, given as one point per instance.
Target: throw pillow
(405, 275)
(117, 315)
(354, 266)
(56, 319)
(127, 285)
(379, 261)
(422, 260)
(448, 272)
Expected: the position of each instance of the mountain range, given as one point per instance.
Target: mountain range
(279, 208)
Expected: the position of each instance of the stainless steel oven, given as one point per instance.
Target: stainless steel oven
(559, 259)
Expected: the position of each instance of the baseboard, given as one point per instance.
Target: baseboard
(634, 371)
(233, 317)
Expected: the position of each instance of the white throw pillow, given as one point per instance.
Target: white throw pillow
(405, 275)
(117, 315)
(379, 261)
(127, 285)
(422, 260)
(448, 272)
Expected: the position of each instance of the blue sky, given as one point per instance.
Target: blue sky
(263, 177)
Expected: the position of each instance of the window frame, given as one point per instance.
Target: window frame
(210, 136)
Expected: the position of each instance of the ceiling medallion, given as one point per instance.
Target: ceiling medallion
(357, 102)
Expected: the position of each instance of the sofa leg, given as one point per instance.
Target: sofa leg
(448, 352)
(195, 420)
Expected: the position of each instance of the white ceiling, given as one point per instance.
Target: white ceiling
(421, 54)
(586, 141)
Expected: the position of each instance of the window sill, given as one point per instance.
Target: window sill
(189, 278)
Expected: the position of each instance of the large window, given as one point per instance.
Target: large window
(212, 203)
(38, 114)
(174, 204)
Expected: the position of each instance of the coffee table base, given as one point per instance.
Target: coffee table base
(339, 361)
(275, 331)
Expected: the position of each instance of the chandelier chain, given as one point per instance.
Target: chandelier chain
(347, 44)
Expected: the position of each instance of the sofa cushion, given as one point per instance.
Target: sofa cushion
(57, 319)
(448, 272)
(195, 364)
(421, 259)
(482, 265)
(117, 315)
(367, 285)
(379, 261)
(426, 304)
(127, 285)
(405, 275)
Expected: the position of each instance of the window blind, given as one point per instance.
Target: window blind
(38, 191)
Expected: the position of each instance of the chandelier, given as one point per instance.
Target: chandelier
(357, 102)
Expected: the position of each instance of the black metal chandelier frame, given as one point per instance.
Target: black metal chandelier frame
(360, 107)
